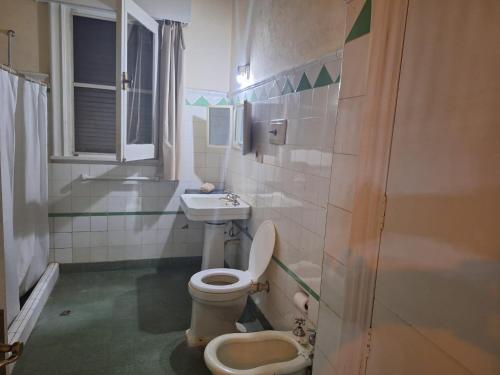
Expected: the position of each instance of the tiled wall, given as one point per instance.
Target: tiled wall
(95, 221)
(290, 183)
(341, 195)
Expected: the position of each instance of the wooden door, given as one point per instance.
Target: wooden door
(437, 295)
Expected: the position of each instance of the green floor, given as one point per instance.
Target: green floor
(120, 322)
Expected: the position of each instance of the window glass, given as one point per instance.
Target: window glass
(94, 51)
(140, 69)
(94, 70)
(219, 126)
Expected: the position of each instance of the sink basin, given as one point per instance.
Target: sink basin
(210, 207)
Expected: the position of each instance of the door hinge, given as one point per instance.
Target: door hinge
(382, 212)
(366, 352)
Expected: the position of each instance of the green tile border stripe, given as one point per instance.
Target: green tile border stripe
(297, 279)
(294, 276)
(113, 213)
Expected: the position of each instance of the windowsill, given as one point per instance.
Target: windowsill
(100, 159)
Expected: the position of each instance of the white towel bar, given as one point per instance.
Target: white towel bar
(85, 177)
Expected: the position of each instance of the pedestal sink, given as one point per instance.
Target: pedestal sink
(215, 210)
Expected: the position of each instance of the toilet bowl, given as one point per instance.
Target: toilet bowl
(220, 294)
(260, 353)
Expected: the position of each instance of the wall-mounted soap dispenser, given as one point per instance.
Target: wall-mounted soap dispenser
(277, 131)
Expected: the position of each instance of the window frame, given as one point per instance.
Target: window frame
(238, 108)
(62, 86)
(231, 119)
(125, 151)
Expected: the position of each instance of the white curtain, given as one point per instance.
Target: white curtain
(171, 96)
(23, 183)
(31, 231)
(8, 256)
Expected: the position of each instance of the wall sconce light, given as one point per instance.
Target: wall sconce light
(243, 76)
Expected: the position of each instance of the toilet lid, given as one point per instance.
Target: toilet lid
(261, 250)
(242, 277)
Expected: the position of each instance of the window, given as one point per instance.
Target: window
(94, 82)
(104, 67)
(219, 126)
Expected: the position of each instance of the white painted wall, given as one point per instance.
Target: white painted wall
(280, 34)
(208, 45)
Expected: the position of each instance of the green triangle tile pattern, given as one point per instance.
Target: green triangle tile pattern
(253, 98)
(223, 101)
(337, 80)
(287, 88)
(263, 94)
(201, 102)
(304, 83)
(324, 78)
(187, 102)
(363, 22)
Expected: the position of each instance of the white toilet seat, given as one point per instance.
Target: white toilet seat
(244, 280)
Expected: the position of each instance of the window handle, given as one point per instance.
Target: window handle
(126, 82)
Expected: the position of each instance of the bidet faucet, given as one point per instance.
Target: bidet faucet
(299, 329)
(232, 198)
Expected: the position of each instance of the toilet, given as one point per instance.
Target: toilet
(260, 353)
(220, 294)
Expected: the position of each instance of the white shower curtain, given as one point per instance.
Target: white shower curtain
(31, 227)
(8, 256)
(23, 175)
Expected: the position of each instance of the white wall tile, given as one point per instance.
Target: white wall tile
(343, 181)
(116, 222)
(61, 172)
(321, 366)
(81, 255)
(81, 239)
(78, 169)
(338, 230)
(347, 133)
(98, 239)
(354, 72)
(62, 224)
(329, 331)
(63, 255)
(116, 253)
(80, 204)
(116, 238)
(99, 223)
(99, 254)
(81, 224)
(333, 284)
(62, 240)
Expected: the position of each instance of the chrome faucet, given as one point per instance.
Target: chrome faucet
(232, 198)
(299, 328)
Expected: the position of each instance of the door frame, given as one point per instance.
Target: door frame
(388, 24)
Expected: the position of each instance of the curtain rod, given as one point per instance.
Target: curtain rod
(22, 75)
